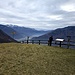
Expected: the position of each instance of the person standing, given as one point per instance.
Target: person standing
(50, 40)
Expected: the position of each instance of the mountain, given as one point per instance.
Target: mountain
(25, 32)
(20, 33)
(8, 30)
(59, 33)
(4, 38)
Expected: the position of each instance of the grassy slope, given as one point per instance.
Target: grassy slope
(23, 59)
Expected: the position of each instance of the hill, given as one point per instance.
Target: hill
(5, 38)
(59, 33)
(28, 59)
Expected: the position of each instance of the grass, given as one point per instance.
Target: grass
(28, 59)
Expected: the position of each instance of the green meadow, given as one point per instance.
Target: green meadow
(28, 59)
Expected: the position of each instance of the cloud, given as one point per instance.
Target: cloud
(68, 7)
(38, 14)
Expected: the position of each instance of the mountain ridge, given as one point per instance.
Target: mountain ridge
(21, 32)
(59, 33)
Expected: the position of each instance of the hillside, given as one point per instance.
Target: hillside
(59, 33)
(28, 59)
(5, 38)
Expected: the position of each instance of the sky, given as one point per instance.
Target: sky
(38, 14)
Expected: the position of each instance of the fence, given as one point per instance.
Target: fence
(66, 44)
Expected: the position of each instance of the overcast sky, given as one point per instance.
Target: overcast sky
(39, 14)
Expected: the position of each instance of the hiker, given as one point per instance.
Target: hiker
(50, 40)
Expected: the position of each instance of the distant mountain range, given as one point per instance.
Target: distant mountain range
(59, 33)
(4, 38)
(20, 32)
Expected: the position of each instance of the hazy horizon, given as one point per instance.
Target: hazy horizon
(38, 14)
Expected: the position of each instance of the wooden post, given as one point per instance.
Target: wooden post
(68, 42)
(27, 41)
(60, 43)
(32, 41)
(39, 42)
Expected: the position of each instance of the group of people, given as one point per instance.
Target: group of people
(50, 40)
